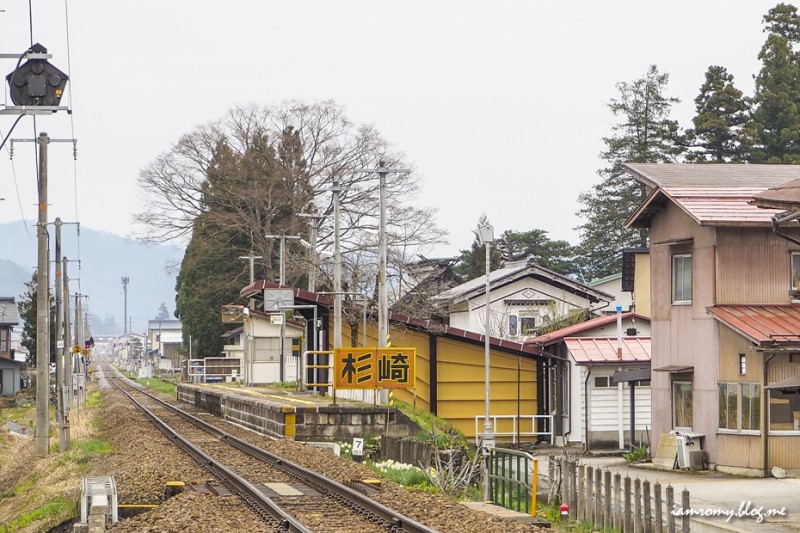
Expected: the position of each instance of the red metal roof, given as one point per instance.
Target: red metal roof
(555, 336)
(761, 323)
(593, 350)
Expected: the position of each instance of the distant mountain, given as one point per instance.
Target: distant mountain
(104, 259)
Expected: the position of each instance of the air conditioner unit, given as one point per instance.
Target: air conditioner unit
(685, 445)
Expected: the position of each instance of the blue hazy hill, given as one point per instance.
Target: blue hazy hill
(104, 259)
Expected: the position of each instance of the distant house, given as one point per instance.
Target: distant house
(165, 341)
(725, 312)
(584, 361)
(257, 342)
(421, 281)
(9, 317)
(525, 299)
(613, 285)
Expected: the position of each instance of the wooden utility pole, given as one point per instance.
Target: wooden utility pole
(42, 312)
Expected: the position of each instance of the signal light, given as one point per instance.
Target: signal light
(36, 82)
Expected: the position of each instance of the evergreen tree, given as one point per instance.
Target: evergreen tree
(163, 312)
(472, 263)
(722, 112)
(28, 310)
(644, 134)
(558, 256)
(775, 126)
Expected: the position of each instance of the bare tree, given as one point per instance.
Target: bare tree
(258, 168)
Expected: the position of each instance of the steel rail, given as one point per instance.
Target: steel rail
(394, 521)
(253, 497)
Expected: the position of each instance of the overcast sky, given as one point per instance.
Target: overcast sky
(500, 105)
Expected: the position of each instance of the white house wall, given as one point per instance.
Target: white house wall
(525, 289)
(605, 406)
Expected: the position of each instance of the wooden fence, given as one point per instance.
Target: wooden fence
(629, 506)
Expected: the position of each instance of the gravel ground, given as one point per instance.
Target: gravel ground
(143, 461)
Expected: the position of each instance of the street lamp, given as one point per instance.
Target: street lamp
(486, 237)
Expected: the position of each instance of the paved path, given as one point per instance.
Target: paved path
(715, 491)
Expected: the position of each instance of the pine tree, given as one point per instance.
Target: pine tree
(644, 134)
(722, 112)
(775, 125)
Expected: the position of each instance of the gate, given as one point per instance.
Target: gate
(512, 479)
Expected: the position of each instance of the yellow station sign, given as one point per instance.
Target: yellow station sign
(374, 368)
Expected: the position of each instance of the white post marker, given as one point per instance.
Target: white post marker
(358, 449)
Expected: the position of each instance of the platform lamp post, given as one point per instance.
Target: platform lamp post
(486, 237)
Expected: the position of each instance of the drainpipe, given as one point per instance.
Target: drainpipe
(586, 405)
(765, 416)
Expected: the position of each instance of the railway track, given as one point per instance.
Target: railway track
(285, 495)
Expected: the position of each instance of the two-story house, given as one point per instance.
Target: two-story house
(725, 325)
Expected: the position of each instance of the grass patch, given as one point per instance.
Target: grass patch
(158, 385)
(82, 451)
(58, 507)
(94, 399)
(430, 424)
(637, 454)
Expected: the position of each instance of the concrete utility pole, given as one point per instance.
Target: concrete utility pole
(312, 250)
(383, 300)
(125, 281)
(60, 367)
(252, 257)
(67, 385)
(43, 312)
(337, 269)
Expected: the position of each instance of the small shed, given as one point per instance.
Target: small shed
(10, 376)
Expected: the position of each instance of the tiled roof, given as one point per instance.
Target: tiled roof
(555, 336)
(713, 195)
(592, 350)
(519, 270)
(762, 324)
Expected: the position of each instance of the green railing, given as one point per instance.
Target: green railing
(512, 479)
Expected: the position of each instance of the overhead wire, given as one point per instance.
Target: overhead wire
(14, 175)
(74, 140)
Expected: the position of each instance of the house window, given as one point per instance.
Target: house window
(682, 279)
(739, 406)
(512, 325)
(742, 364)
(4, 335)
(728, 406)
(751, 406)
(527, 325)
(602, 382)
(682, 404)
(795, 273)
(784, 411)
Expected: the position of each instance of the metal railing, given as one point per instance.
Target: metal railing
(516, 427)
(215, 369)
(513, 478)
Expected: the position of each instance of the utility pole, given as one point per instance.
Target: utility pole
(43, 312)
(60, 345)
(252, 257)
(67, 385)
(312, 250)
(383, 301)
(125, 281)
(337, 269)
